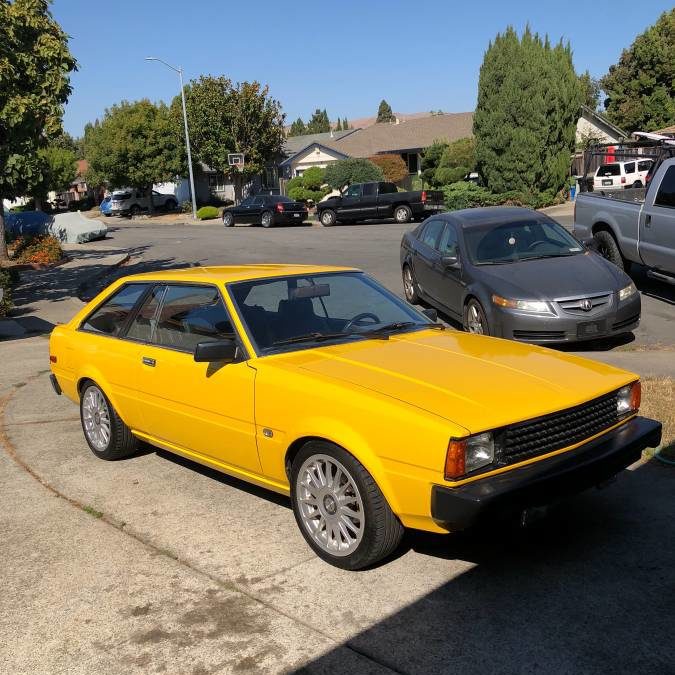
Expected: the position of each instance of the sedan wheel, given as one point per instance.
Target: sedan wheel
(409, 286)
(475, 320)
(266, 219)
(228, 219)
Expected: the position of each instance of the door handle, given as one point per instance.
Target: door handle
(147, 361)
(648, 221)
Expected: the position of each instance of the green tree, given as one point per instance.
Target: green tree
(431, 158)
(224, 117)
(35, 65)
(297, 128)
(135, 144)
(313, 178)
(458, 159)
(641, 87)
(58, 169)
(384, 113)
(318, 123)
(338, 125)
(352, 170)
(528, 107)
(393, 167)
(590, 90)
(345, 124)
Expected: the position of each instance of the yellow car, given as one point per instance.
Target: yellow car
(318, 383)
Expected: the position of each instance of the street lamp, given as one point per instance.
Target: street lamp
(187, 136)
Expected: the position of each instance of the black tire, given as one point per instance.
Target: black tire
(228, 219)
(468, 322)
(608, 248)
(327, 218)
(402, 214)
(267, 219)
(134, 210)
(637, 184)
(171, 205)
(121, 442)
(382, 531)
(410, 288)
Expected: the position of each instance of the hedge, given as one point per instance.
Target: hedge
(8, 279)
(464, 195)
(207, 213)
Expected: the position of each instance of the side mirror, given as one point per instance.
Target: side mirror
(450, 262)
(224, 351)
(431, 314)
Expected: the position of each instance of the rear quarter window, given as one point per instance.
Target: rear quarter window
(666, 194)
(111, 317)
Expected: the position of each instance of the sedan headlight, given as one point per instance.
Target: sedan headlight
(628, 399)
(627, 292)
(535, 306)
(468, 454)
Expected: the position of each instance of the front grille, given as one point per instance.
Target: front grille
(626, 322)
(557, 430)
(592, 302)
(552, 335)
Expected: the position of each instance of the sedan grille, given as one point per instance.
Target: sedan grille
(558, 430)
(586, 304)
(539, 335)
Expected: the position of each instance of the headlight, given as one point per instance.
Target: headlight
(628, 399)
(626, 293)
(535, 306)
(468, 454)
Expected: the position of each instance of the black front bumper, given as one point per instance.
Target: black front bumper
(545, 481)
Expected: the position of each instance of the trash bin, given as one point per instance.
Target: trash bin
(573, 192)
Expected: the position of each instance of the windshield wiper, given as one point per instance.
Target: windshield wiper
(311, 337)
(552, 255)
(400, 325)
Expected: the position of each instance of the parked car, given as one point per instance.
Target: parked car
(363, 201)
(265, 210)
(641, 231)
(131, 201)
(622, 175)
(106, 206)
(516, 273)
(318, 383)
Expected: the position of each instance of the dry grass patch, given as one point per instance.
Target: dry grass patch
(658, 402)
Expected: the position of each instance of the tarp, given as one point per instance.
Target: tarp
(69, 228)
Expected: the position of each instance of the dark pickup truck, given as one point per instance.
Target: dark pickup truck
(363, 201)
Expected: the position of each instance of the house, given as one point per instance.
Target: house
(303, 152)
(594, 127)
(668, 131)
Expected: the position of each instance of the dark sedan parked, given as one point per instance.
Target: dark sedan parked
(265, 210)
(518, 274)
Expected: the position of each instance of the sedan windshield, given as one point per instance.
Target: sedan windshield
(303, 311)
(494, 244)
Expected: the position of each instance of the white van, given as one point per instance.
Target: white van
(620, 175)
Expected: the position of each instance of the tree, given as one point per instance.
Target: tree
(641, 87)
(345, 124)
(352, 170)
(224, 117)
(135, 144)
(393, 167)
(35, 65)
(58, 169)
(384, 113)
(457, 160)
(297, 128)
(590, 90)
(525, 121)
(431, 158)
(318, 123)
(338, 126)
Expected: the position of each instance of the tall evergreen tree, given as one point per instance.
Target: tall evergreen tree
(318, 123)
(528, 107)
(590, 90)
(641, 87)
(338, 126)
(345, 124)
(384, 113)
(297, 128)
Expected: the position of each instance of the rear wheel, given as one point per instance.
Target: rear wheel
(228, 219)
(637, 184)
(266, 219)
(475, 320)
(410, 286)
(134, 210)
(402, 214)
(609, 249)
(327, 218)
(340, 510)
(105, 432)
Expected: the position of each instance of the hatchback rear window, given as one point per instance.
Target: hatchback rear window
(609, 170)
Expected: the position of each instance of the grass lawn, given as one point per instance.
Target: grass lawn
(658, 402)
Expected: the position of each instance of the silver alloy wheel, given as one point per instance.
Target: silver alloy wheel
(330, 505)
(96, 418)
(327, 218)
(266, 219)
(401, 214)
(408, 284)
(474, 322)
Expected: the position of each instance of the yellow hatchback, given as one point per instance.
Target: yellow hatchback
(319, 383)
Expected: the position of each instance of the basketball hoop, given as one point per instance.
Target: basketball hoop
(236, 160)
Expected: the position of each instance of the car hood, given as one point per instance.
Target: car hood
(474, 381)
(552, 278)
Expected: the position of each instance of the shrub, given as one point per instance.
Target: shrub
(41, 249)
(352, 170)
(457, 159)
(464, 195)
(431, 158)
(313, 178)
(302, 194)
(8, 279)
(294, 182)
(393, 167)
(446, 175)
(207, 213)
(186, 206)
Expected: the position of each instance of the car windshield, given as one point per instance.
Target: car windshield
(283, 313)
(493, 244)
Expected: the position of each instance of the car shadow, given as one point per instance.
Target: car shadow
(653, 288)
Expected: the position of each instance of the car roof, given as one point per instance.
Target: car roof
(487, 215)
(230, 273)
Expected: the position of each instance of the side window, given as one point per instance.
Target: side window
(111, 316)
(666, 194)
(145, 322)
(190, 315)
(369, 189)
(258, 201)
(448, 242)
(247, 202)
(353, 191)
(630, 167)
(431, 232)
(644, 165)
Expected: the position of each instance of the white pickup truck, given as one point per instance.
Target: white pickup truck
(633, 225)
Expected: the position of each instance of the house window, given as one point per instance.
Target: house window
(412, 160)
(217, 182)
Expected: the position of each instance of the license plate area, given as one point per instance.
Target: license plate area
(607, 182)
(591, 329)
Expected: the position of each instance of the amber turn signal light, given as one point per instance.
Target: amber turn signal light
(455, 459)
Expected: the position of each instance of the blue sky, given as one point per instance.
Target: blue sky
(341, 55)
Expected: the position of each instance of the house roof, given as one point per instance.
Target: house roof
(294, 144)
(603, 120)
(667, 131)
(412, 134)
(331, 150)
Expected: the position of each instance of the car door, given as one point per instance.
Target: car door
(242, 213)
(368, 202)
(257, 207)
(350, 204)
(205, 409)
(426, 255)
(657, 225)
(446, 281)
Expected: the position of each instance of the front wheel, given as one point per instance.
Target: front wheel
(327, 218)
(340, 510)
(402, 214)
(475, 320)
(134, 210)
(228, 219)
(410, 286)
